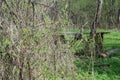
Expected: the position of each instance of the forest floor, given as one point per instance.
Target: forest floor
(111, 41)
(111, 72)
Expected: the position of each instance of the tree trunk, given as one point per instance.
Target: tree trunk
(97, 18)
(118, 16)
(93, 34)
(1, 1)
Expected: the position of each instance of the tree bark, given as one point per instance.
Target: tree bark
(97, 18)
(93, 34)
(1, 1)
(118, 16)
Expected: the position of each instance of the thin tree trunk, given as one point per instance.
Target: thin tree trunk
(1, 1)
(93, 34)
(118, 16)
(33, 9)
(29, 70)
(97, 18)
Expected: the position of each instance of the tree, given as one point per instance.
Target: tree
(97, 18)
(93, 33)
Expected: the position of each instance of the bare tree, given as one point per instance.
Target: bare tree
(93, 34)
(118, 16)
(97, 18)
(1, 1)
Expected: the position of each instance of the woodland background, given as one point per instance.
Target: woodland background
(30, 48)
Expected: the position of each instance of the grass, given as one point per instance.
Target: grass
(111, 41)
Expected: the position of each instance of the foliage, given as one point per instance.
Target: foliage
(31, 47)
